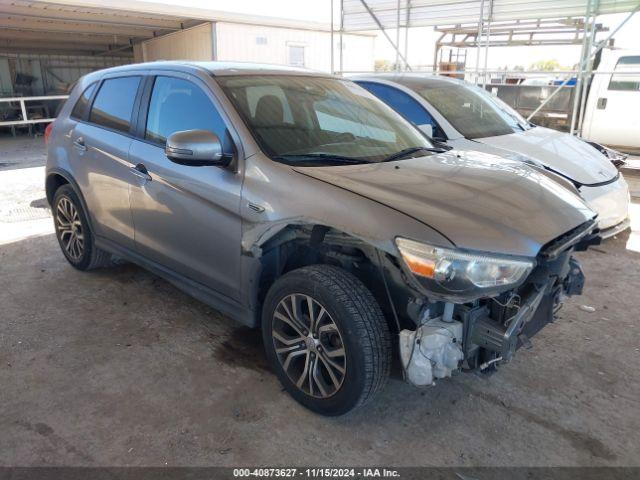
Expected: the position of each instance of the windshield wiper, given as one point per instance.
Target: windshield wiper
(411, 150)
(322, 156)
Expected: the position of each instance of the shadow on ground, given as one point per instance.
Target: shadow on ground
(117, 367)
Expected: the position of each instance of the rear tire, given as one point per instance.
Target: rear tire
(326, 338)
(74, 234)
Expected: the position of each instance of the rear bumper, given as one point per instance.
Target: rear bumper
(610, 202)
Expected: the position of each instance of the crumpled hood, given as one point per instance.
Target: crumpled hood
(563, 153)
(476, 200)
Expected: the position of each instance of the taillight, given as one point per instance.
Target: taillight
(47, 132)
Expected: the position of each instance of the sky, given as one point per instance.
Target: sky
(421, 40)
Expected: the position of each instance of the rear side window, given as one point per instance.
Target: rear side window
(178, 105)
(629, 82)
(113, 105)
(81, 105)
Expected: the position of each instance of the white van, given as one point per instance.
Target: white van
(611, 115)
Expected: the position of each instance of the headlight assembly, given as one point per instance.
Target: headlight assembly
(454, 275)
(614, 156)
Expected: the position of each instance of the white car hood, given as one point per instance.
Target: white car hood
(561, 152)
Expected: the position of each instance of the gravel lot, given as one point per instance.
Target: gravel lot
(117, 367)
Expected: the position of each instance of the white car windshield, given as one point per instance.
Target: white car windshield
(316, 120)
(473, 111)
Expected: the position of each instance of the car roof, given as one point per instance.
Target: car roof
(218, 68)
(414, 81)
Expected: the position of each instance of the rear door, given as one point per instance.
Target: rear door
(186, 218)
(100, 146)
(614, 102)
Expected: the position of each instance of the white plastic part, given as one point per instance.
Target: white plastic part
(432, 351)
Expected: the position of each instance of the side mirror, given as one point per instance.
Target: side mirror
(427, 129)
(196, 148)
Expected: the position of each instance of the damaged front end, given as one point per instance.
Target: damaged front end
(493, 308)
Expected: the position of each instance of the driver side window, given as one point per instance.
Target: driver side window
(178, 105)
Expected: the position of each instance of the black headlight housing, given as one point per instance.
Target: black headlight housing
(614, 156)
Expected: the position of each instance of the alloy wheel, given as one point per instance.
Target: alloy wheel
(70, 229)
(309, 345)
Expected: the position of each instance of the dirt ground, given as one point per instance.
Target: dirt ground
(117, 367)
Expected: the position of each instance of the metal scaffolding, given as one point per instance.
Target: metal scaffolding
(482, 24)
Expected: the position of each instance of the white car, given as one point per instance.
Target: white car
(466, 117)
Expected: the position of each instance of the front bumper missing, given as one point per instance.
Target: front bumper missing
(536, 310)
(480, 338)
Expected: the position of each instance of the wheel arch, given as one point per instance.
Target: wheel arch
(298, 245)
(56, 178)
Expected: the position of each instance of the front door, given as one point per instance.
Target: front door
(186, 218)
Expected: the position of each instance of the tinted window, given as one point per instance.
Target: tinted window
(178, 105)
(404, 105)
(81, 105)
(473, 111)
(626, 81)
(400, 102)
(306, 120)
(113, 105)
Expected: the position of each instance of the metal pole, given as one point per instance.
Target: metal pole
(586, 78)
(398, 36)
(435, 53)
(384, 32)
(583, 55)
(599, 46)
(486, 45)
(341, 30)
(479, 35)
(406, 30)
(332, 44)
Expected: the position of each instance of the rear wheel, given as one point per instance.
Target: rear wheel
(326, 338)
(73, 232)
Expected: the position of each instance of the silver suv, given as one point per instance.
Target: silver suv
(299, 203)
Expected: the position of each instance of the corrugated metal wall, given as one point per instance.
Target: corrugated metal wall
(253, 43)
(190, 44)
(250, 43)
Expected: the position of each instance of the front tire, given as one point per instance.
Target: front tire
(74, 233)
(326, 338)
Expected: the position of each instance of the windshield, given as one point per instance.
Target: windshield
(473, 111)
(315, 120)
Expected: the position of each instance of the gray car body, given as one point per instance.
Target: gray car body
(204, 228)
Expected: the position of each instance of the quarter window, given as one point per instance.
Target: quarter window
(178, 105)
(80, 108)
(113, 105)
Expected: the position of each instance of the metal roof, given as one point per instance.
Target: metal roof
(45, 27)
(99, 27)
(423, 13)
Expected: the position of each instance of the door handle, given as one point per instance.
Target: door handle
(79, 144)
(141, 171)
(602, 103)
